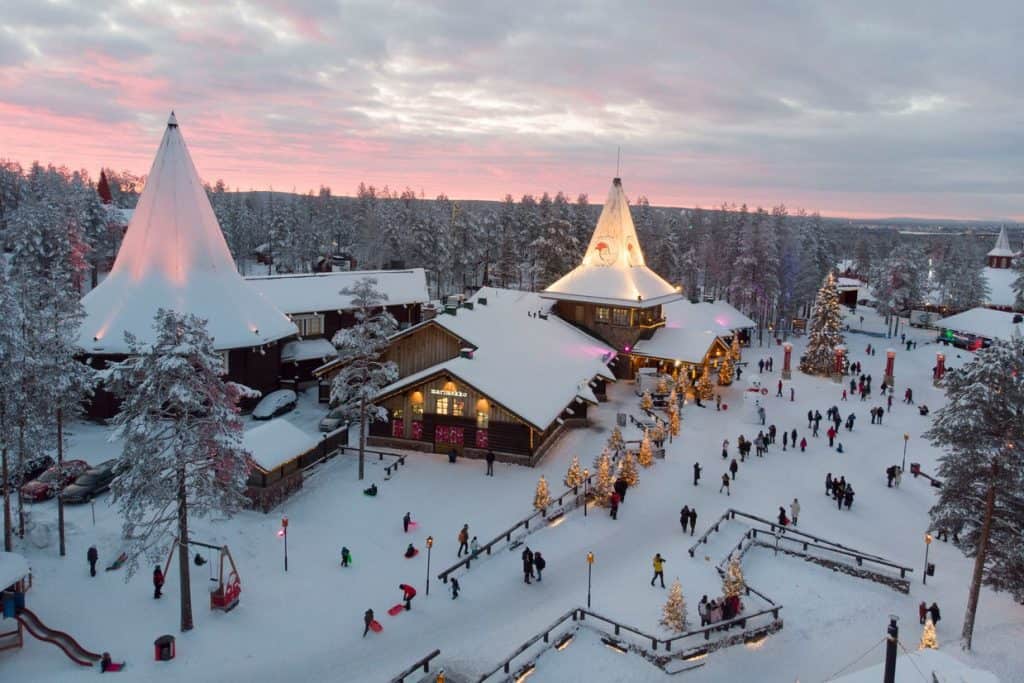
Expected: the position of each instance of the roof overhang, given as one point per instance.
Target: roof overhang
(607, 301)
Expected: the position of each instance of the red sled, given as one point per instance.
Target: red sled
(413, 525)
(725, 406)
(415, 552)
(375, 626)
(394, 611)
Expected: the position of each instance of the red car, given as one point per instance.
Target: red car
(47, 484)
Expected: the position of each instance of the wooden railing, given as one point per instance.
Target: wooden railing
(422, 663)
(618, 627)
(389, 469)
(706, 631)
(505, 536)
(505, 665)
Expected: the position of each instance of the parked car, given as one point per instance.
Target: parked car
(53, 480)
(275, 403)
(332, 420)
(91, 483)
(32, 468)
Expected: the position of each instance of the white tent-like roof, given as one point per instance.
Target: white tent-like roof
(613, 270)
(1002, 247)
(174, 256)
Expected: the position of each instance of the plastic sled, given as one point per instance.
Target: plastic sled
(413, 525)
(415, 552)
(375, 626)
(725, 406)
(397, 609)
(118, 563)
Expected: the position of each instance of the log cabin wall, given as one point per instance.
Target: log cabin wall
(421, 349)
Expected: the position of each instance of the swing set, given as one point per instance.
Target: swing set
(225, 596)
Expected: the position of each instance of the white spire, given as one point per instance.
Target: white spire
(614, 241)
(174, 256)
(1002, 247)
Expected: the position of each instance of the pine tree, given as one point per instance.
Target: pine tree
(615, 442)
(683, 384)
(732, 582)
(981, 431)
(541, 497)
(725, 371)
(604, 481)
(734, 349)
(673, 399)
(1018, 283)
(826, 331)
(928, 639)
(627, 469)
(898, 282)
(673, 422)
(662, 385)
(703, 388)
(12, 397)
(363, 374)
(645, 456)
(673, 614)
(646, 401)
(574, 476)
(182, 439)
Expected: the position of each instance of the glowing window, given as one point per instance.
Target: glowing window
(620, 316)
(309, 325)
(458, 407)
(443, 405)
(603, 314)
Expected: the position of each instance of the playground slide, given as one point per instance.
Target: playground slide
(65, 642)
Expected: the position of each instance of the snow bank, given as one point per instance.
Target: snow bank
(13, 567)
(934, 664)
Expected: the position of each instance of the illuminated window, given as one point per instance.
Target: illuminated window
(458, 407)
(442, 406)
(309, 325)
(416, 401)
(620, 316)
(396, 413)
(603, 314)
(482, 418)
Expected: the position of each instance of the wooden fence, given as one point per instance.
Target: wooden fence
(422, 663)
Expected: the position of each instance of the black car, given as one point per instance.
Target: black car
(33, 468)
(91, 483)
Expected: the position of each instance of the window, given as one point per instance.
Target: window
(482, 418)
(620, 316)
(603, 314)
(309, 325)
(396, 413)
(416, 403)
(458, 407)
(441, 407)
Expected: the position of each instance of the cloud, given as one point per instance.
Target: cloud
(866, 109)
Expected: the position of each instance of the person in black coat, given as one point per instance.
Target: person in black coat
(684, 517)
(696, 473)
(367, 620)
(93, 556)
(539, 563)
(733, 468)
(406, 521)
(527, 568)
(490, 463)
(693, 520)
(934, 612)
(620, 487)
(158, 582)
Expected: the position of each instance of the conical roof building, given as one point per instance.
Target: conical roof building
(174, 256)
(1001, 255)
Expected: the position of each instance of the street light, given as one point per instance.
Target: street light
(586, 490)
(927, 545)
(430, 544)
(284, 533)
(590, 568)
(906, 439)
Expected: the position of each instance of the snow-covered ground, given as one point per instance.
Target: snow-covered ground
(306, 624)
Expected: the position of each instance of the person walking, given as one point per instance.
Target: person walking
(490, 463)
(158, 582)
(702, 610)
(408, 593)
(615, 500)
(933, 610)
(889, 404)
(810, 418)
(922, 611)
(684, 517)
(659, 569)
(463, 540)
(792, 394)
(828, 484)
(455, 588)
(539, 563)
(783, 519)
(831, 436)
(527, 565)
(725, 449)
(897, 476)
(771, 434)
(794, 511)
(367, 621)
(725, 484)
(93, 556)
(406, 522)
(890, 474)
(620, 487)
(346, 557)
(693, 520)
(848, 496)
(792, 437)
(785, 440)
(778, 393)
(803, 444)
(718, 402)
(696, 473)
(733, 468)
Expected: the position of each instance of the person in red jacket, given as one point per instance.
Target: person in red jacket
(158, 582)
(615, 505)
(831, 436)
(408, 593)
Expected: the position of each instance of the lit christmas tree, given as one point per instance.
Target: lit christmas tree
(615, 442)
(627, 470)
(542, 497)
(733, 583)
(703, 388)
(928, 639)
(673, 614)
(662, 385)
(826, 331)
(646, 402)
(646, 456)
(725, 372)
(734, 350)
(673, 422)
(574, 477)
(673, 400)
(683, 384)
(602, 487)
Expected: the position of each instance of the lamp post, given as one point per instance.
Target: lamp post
(590, 568)
(927, 545)
(284, 533)
(586, 490)
(906, 439)
(430, 544)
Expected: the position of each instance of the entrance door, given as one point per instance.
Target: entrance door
(447, 437)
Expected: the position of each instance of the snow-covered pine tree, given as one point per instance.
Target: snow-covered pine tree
(673, 614)
(557, 251)
(898, 282)
(960, 279)
(1018, 283)
(603, 482)
(732, 582)
(183, 455)
(645, 456)
(725, 371)
(574, 475)
(646, 401)
(627, 469)
(826, 331)
(981, 433)
(362, 373)
(542, 496)
(12, 396)
(615, 442)
(928, 639)
(703, 388)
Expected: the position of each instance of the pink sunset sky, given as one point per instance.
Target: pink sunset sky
(855, 109)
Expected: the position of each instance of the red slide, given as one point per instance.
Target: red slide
(70, 646)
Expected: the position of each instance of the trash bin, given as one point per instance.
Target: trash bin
(930, 569)
(163, 649)
(621, 419)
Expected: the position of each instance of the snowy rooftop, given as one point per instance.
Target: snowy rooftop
(531, 366)
(613, 270)
(935, 665)
(722, 312)
(174, 256)
(690, 330)
(307, 349)
(276, 442)
(319, 292)
(848, 283)
(1002, 247)
(13, 567)
(983, 322)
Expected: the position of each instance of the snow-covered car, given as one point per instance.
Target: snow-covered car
(32, 468)
(332, 420)
(53, 480)
(275, 403)
(91, 483)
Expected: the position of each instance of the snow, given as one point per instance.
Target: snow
(725, 314)
(982, 322)
(307, 349)
(533, 367)
(306, 624)
(276, 442)
(1000, 286)
(613, 270)
(318, 292)
(911, 666)
(690, 329)
(13, 568)
(174, 256)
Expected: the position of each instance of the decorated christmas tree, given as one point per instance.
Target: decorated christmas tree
(732, 582)
(627, 470)
(703, 388)
(615, 442)
(683, 385)
(574, 476)
(646, 402)
(725, 372)
(662, 385)
(646, 456)
(673, 614)
(673, 400)
(826, 331)
(602, 487)
(673, 422)
(734, 350)
(928, 639)
(542, 497)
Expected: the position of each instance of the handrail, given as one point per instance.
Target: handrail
(860, 558)
(506, 535)
(714, 527)
(620, 626)
(707, 630)
(798, 532)
(506, 663)
(422, 662)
